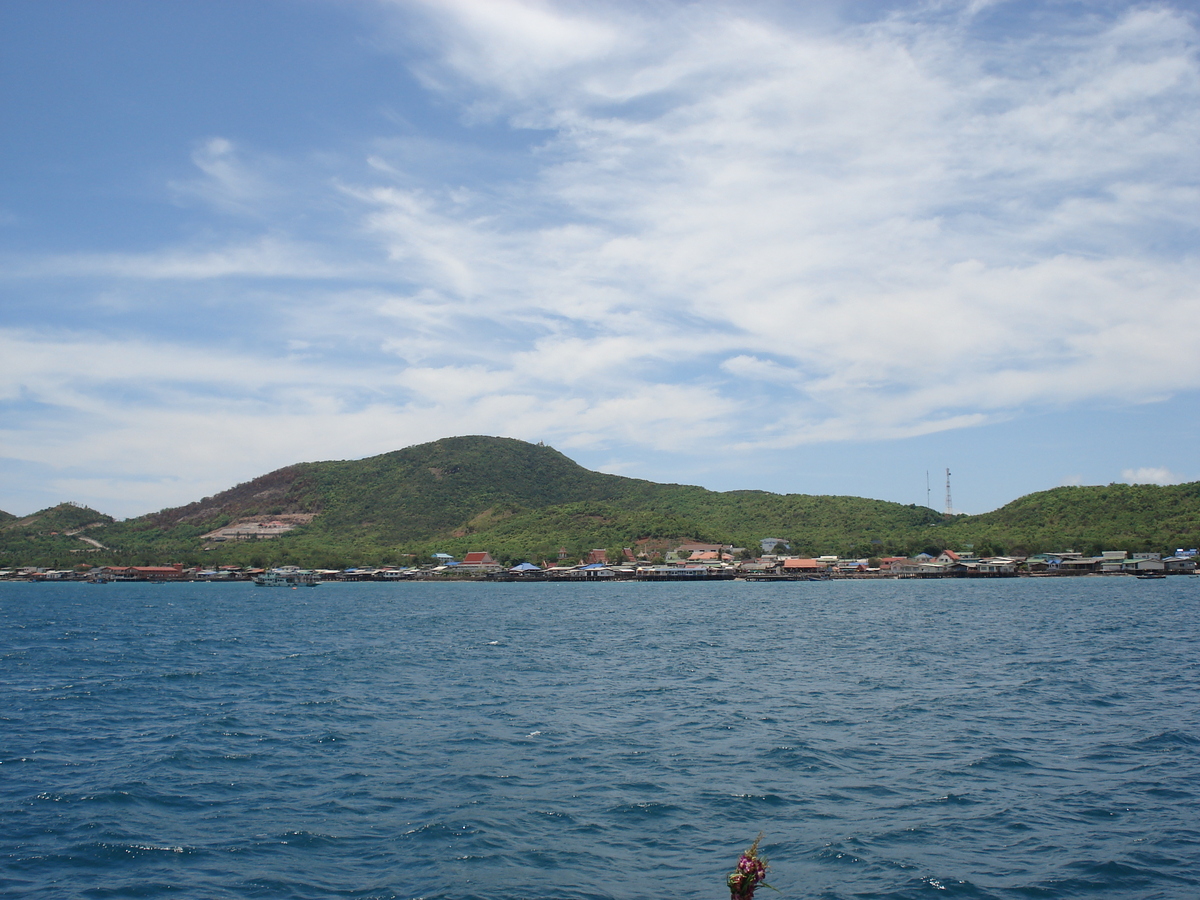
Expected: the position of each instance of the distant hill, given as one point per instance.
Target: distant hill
(525, 501)
(64, 517)
(519, 499)
(1089, 520)
(6, 517)
(50, 534)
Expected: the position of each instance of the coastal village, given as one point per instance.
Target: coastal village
(686, 562)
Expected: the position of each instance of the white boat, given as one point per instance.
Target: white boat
(292, 579)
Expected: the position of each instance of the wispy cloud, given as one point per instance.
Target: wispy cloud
(731, 226)
(266, 256)
(894, 214)
(1150, 475)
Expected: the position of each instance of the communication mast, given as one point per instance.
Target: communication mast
(949, 502)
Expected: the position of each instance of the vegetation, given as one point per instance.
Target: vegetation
(525, 501)
(51, 535)
(1087, 519)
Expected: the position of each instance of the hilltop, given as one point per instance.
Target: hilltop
(1089, 519)
(516, 498)
(50, 533)
(525, 501)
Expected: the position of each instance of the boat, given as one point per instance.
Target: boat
(293, 579)
(1147, 575)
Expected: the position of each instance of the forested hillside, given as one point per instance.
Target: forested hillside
(50, 534)
(1089, 520)
(525, 501)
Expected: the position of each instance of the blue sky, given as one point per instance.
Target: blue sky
(729, 244)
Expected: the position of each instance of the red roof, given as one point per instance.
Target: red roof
(802, 564)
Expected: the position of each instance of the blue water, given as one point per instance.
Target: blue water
(1034, 738)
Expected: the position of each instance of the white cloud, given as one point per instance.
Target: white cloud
(268, 256)
(1150, 475)
(889, 215)
(226, 183)
(736, 229)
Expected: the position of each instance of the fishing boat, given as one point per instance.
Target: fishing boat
(292, 578)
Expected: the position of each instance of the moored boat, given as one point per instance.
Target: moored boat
(287, 578)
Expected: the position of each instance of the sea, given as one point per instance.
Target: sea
(1010, 738)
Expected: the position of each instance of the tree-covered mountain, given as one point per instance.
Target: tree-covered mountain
(525, 501)
(50, 534)
(1089, 520)
(513, 498)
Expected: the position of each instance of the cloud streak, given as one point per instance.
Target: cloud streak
(729, 227)
(899, 213)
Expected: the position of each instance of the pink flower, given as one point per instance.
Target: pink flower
(751, 871)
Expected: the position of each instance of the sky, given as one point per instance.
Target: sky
(825, 248)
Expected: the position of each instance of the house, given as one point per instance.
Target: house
(1142, 563)
(1078, 565)
(594, 570)
(995, 566)
(478, 561)
(798, 566)
(525, 568)
(926, 567)
(144, 573)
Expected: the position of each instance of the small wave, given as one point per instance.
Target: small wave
(1001, 760)
(1106, 877)
(794, 758)
(1167, 741)
(307, 839)
(167, 849)
(835, 854)
(949, 799)
(117, 850)
(956, 800)
(647, 809)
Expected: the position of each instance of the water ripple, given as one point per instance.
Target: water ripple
(1016, 739)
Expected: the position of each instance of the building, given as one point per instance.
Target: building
(478, 561)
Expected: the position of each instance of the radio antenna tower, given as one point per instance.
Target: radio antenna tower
(928, 501)
(949, 502)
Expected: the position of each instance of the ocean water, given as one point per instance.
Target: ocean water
(1033, 738)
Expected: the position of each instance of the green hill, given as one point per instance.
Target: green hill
(1089, 520)
(515, 499)
(525, 501)
(51, 534)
